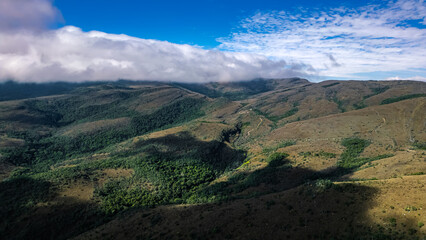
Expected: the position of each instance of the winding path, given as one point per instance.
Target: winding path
(258, 125)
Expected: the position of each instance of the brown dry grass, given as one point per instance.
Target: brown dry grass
(404, 162)
(387, 125)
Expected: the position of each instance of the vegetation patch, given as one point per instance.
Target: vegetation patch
(376, 91)
(411, 208)
(359, 105)
(340, 104)
(401, 98)
(322, 184)
(350, 159)
(330, 85)
(420, 145)
(354, 147)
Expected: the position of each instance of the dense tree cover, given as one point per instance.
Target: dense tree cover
(171, 181)
(64, 111)
(175, 113)
(330, 85)
(170, 169)
(404, 97)
(41, 152)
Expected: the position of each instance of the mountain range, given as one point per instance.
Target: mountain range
(259, 159)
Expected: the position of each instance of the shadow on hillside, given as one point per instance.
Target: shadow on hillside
(277, 202)
(278, 175)
(27, 214)
(218, 155)
(33, 208)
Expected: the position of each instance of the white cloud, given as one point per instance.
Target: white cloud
(29, 53)
(415, 78)
(69, 54)
(339, 42)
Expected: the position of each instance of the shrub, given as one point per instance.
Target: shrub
(420, 145)
(323, 184)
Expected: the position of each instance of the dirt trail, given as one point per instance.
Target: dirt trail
(258, 125)
(382, 124)
(410, 123)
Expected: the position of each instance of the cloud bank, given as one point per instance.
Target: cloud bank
(30, 54)
(350, 43)
(69, 54)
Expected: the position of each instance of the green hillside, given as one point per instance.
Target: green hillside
(151, 160)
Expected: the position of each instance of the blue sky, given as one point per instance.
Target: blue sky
(190, 22)
(212, 40)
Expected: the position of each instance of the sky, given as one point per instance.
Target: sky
(211, 40)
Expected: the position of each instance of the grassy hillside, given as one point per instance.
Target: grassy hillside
(279, 158)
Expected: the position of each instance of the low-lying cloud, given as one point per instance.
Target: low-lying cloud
(30, 54)
(69, 54)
